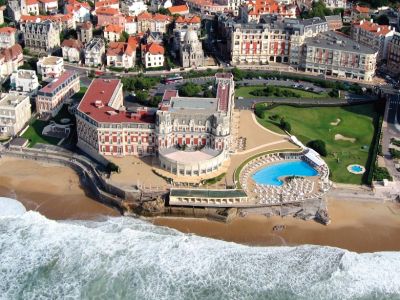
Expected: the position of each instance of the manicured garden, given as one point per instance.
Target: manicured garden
(276, 92)
(347, 132)
(34, 134)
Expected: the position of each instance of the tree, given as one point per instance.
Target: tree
(319, 146)
(382, 20)
(124, 37)
(285, 125)
(190, 89)
(142, 96)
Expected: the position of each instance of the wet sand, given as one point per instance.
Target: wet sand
(360, 226)
(52, 190)
(356, 225)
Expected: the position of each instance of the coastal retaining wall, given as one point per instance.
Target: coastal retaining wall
(90, 177)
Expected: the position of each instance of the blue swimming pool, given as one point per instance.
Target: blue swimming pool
(357, 168)
(270, 175)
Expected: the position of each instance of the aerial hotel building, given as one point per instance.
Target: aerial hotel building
(191, 136)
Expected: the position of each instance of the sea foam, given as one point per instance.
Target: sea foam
(126, 258)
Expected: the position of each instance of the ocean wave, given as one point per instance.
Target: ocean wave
(126, 258)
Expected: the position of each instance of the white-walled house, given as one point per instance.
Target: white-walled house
(7, 37)
(15, 112)
(153, 55)
(50, 67)
(24, 81)
(72, 50)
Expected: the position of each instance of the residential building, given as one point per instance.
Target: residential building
(121, 55)
(393, 57)
(72, 50)
(15, 112)
(107, 4)
(85, 32)
(208, 6)
(179, 9)
(63, 22)
(332, 4)
(10, 60)
(191, 50)
(32, 7)
(24, 81)
(51, 98)
(14, 9)
(94, 52)
(335, 22)
(252, 10)
(41, 36)
(50, 67)
(79, 10)
(112, 33)
(201, 125)
(107, 16)
(156, 22)
(274, 40)
(184, 22)
(133, 7)
(130, 25)
(373, 35)
(334, 54)
(48, 6)
(7, 37)
(360, 12)
(153, 55)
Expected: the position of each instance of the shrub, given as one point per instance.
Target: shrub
(334, 93)
(111, 167)
(319, 146)
(381, 173)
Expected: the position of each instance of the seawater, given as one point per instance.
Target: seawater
(127, 258)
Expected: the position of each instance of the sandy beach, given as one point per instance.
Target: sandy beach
(359, 226)
(52, 190)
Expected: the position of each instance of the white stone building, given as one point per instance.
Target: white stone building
(332, 4)
(50, 67)
(191, 51)
(41, 36)
(15, 112)
(334, 54)
(112, 33)
(94, 52)
(10, 60)
(7, 37)
(121, 55)
(133, 7)
(153, 55)
(72, 50)
(24, 81)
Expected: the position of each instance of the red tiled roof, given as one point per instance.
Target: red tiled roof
(7, 30)
(153, 48)
(48, 1)
(106, 3)
(113, 28)
(72, 43)
(168, 94)
(119, 48)
(107, 11)
(87, 25)
(32, 2)
(100, 91)
(361, 9)
(148, 16)
(194, 19)
(373, 27)
(11, 53)
(134, 41)
(57, 82)
(178, 9)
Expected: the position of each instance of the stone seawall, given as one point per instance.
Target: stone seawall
(99, 187)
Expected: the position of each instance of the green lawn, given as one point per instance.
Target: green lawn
(315, 123)
(34, 134)
(79, 95)
(244, 91)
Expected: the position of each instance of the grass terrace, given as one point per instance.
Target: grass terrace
(347, 131)
(34, 134)
(257, 91)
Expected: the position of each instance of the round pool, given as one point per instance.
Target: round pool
(270, 175)
(356, 169)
